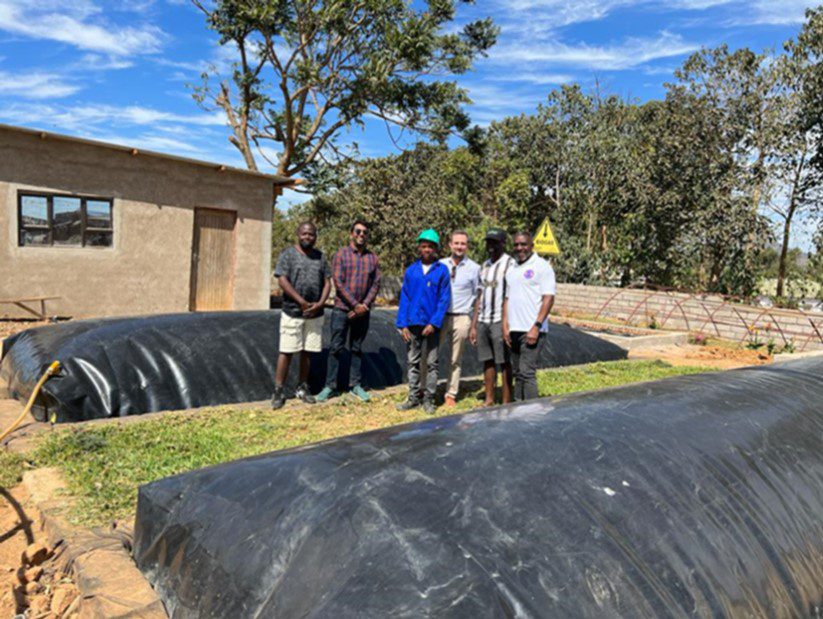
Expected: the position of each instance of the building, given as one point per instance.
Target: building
(112, 230)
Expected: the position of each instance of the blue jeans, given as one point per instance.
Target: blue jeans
(343, 329)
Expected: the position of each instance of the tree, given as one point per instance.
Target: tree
(307, 69)
(807, 51)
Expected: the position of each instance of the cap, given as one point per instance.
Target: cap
(496, 234)
(429, 235)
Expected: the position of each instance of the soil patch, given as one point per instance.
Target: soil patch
(711, 356)
(32, 576)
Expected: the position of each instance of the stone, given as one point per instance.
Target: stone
(33, 573)
(35, 554)
(33, 587)
(38, 606)
(62, 598)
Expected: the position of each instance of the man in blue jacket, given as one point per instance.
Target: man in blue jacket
(424, 300)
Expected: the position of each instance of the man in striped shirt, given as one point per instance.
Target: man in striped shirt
(486, 331)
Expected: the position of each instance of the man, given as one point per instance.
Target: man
(424, 299)
(486, 331)
(356, 276)
(463, 274)
(530, 291)
(305, 278)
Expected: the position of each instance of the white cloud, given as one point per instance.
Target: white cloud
(36, 85)
(86, 118)
(630, 53)
(79, 24)
(777, 12)
(98, 62)
(540, 79)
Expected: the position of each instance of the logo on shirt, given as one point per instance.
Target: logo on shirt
(529, 273)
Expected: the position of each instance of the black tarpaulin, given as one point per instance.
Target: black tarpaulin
(125, 366)
(697, 496)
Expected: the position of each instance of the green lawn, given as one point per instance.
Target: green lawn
(11, 468)
(105, 464)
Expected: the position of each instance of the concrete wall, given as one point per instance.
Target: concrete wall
(148, 268)
(708, 314)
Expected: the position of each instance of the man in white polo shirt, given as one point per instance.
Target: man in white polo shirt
(530, 291)
(463, 275)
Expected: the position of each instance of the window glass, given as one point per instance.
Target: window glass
(35, 210)
(66, 221)
(34, 237)
(98, 239)
(98, 214)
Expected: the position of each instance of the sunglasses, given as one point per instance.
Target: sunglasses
(360, 232)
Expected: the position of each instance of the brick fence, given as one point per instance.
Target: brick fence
(711, 315)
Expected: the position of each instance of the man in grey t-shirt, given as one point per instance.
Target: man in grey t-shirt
(305, 278)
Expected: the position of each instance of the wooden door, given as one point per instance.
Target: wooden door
(212, 260)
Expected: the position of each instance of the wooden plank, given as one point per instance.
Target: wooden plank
(213, 258)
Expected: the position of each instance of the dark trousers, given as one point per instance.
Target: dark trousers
(342, 329)
(416, 362)
(524, 365)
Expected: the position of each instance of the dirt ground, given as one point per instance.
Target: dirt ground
(32, 583)
(720, 357)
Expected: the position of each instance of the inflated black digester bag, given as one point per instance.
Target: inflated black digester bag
(696, 496)
(125, 366)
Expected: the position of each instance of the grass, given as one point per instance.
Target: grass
(11, 468)
(103, 465)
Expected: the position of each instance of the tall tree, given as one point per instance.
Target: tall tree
(798, 190)
(305, 70)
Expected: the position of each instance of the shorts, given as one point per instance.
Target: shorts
(298, 334)
(490, 345)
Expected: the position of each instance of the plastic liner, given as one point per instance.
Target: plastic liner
(697, 496)
(126, 366)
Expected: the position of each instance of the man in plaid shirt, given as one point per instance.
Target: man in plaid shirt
(356, 277)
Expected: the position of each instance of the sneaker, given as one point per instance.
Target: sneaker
(278, 398)
(361, 393)
(429, 407)
(408, 405)
(324, 395)
(303, 394)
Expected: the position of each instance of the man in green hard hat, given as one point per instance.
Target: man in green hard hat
(424, 301)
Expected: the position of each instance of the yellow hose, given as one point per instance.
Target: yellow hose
(51, 371)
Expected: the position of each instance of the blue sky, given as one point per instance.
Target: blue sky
(95, 69)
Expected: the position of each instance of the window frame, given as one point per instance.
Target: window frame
(49, 227)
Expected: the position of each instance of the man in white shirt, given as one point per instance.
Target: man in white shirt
(463, 274)
(486, 332)
(530, 291)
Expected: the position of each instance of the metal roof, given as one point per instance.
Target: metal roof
(282, 181)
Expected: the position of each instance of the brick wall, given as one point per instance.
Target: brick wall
(708, 314)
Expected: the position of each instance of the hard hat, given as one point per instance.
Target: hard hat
(429, 235)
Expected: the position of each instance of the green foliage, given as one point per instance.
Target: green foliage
(305, 70)
(104, 465)
(683, 192)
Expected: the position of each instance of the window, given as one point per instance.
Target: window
(67, 221)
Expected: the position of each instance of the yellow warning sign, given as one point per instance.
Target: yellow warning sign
(544, 242)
